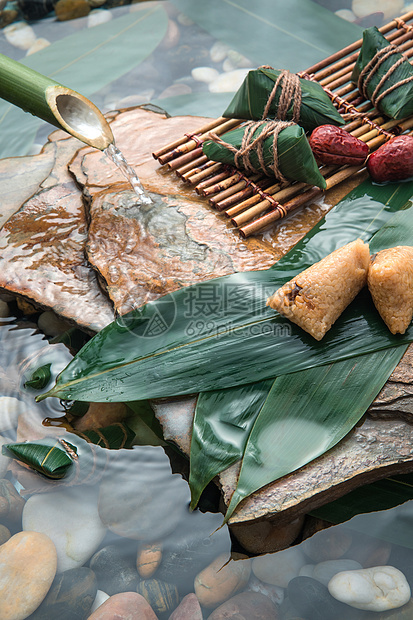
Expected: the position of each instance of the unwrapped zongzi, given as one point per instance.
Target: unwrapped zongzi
(251, 99)
(316, 297)
(384, 75)
(284, 154)
(390, 281)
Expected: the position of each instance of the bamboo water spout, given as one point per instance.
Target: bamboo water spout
(62, 107)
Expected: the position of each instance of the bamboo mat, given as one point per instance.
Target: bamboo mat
(255, 202)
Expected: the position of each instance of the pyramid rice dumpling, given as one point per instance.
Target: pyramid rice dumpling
(398, 103)
(251, 99)
(316, 297)
(390, 281)
(295, 160)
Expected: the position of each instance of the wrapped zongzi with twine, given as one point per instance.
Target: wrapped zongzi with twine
(384, 75)
(269, 93)
(275, 148)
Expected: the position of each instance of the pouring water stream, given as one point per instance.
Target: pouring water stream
(116, 155)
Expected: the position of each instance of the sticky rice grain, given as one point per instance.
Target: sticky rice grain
(316, 297)
(390, 281)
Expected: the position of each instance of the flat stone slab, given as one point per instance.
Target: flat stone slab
(42, 245)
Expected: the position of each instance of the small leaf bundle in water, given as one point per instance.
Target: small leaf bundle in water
(39, 378)
(284, 153)
(54, 457)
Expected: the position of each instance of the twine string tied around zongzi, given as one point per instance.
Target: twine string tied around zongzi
(371, 69)
(253, 143)
(290, 94)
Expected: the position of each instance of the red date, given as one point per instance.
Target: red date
(393, 161)
(333, 145)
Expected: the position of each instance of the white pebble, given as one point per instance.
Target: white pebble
(20, 35)
(374, 589)
(346, 14)
(228, 82)
(100, 16)
(100, 598)
(325, 571)
(219, 51)
(38, 45)
(184, 20)
(70, 518)
(389, 8)
(204, 74)
(279, 568)
(10, 409)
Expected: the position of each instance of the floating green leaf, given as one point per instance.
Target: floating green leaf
(248, 342)
(266, 32)
(85, 61)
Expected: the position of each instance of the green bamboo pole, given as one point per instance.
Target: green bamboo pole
(62, 107)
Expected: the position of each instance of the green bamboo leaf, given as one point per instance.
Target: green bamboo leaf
(266, 32)
(247, 342)
(308, 413)
(217, 442)
(217, 411)
(85, 61)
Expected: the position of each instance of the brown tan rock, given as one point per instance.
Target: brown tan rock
(124, 606)
(148, 559)
(266, 537)
(329, 544)
(5, 534)
(51, 226)
(246, 606)
(71, 9)
(221, 580)
(100, 415)
(28, 564)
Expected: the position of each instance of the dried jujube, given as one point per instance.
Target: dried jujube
(334, 146)
(393, 161)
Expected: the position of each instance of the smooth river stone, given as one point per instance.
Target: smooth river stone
(140, 499)
(221, 580)
(70, 518)
(114, 568)
(374, 589)
(246, 606)
(313, 601)
(124, 606)
(279, 568)
(188, 609)
(27, 567)
(325, 571)
(70, 597)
